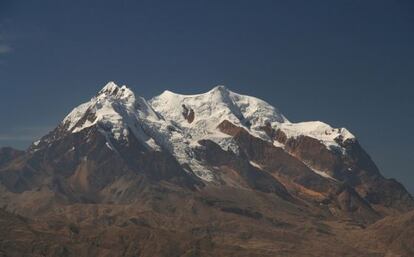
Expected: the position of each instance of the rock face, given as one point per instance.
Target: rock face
(188, 113)
(213, 174)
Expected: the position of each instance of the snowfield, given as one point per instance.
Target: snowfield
(162, 123)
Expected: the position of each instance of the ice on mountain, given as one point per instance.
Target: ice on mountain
(160, 124)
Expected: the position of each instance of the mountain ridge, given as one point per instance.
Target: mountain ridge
(202, 166)
(162, 125)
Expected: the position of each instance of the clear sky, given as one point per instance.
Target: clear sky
(348, 63)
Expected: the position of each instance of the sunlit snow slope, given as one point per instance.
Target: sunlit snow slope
(176, 122)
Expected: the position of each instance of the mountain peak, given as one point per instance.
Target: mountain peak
(119, 109)
(213, 107)
(113, 90)
(219, 88)
(110, 87)
(230, 155)
(113, 107)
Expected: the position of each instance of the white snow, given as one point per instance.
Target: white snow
(221, 104)
(319, 172)
(322, 173)
(115, 109)
(254, 164)
(117, 112)
(212, 108)
(315, 129)
(160, 124)
(109, 146)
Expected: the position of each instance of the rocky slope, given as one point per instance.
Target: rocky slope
(217, 173)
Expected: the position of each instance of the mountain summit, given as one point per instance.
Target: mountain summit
(201, 174)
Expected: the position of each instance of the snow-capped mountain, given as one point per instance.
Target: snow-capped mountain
(219, 104)
(116, 111)
(175, 122)
(197, 166)
(189, 129)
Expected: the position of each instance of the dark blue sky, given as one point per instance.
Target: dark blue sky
(348, 63)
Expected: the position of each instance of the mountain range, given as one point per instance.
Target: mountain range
(212, 174)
